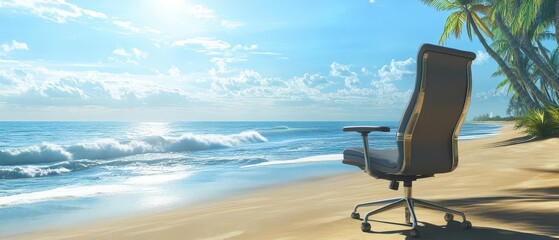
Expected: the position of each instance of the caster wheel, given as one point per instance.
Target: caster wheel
(365, 226)
(466, 225)
(355, 215)
(448, 217)
(414, 233)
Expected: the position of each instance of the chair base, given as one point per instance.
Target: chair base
(410, 218)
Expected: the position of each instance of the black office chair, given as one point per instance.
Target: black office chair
(427, 136)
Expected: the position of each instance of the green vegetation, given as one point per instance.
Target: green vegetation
(487, 117)
(540, 123)
(513, 33)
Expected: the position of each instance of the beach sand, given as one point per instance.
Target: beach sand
(508, 188)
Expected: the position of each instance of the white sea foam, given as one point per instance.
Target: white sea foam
(152, 175)
(62, 193)
(154, 179)
(318, 158)
(111, 148)
(149, 176)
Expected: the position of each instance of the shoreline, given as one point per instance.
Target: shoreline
(320, 207)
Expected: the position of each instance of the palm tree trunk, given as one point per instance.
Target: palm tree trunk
(557, 22)
(529, 51)
(527, 82)
(522, 94)
(551, 92)
(524, 76)
(543, 52)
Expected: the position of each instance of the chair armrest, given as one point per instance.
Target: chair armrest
(366, 129)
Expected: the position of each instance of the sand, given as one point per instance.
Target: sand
(508, 188)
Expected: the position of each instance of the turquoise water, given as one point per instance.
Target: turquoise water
(55, 174)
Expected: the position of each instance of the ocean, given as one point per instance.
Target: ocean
(60, 174)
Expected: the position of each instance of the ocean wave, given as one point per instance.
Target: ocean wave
(285, 129)
(102, 149)
(30, 172)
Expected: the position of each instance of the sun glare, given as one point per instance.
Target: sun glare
(169, 5)
(169, 14)
(151, 129)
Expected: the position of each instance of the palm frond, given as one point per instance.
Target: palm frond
(453, 26)
(502, 84)
(441, 5)
(482, 25)
(498, 73)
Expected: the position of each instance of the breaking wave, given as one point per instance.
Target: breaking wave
(111, 148)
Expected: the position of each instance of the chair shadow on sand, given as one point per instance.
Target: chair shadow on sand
(453, 231)
(542, 222)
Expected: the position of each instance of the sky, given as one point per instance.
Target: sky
(217, 60)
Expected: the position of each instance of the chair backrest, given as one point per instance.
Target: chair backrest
(428, 132)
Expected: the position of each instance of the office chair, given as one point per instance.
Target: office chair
(427, 135)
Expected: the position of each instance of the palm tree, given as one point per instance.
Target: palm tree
(520, 63)
(468, 12)
(522, 40)
(542, 12)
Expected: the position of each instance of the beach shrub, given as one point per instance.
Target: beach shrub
(540, 123)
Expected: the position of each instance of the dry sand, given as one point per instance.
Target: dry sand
(508, 188)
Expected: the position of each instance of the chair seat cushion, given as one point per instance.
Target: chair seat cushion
(385, 160)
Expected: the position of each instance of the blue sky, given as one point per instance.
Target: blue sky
(187, 60)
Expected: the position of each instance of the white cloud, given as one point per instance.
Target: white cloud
(127, 26)
(134, 56)
(344, 72)
(222, 63)
(15, 82)
(365, 71)
(268, 53)
(396, 70)
(310, 89)
(221, 51)
(15, 45)
(246, 48)
(371, 1)
(58, 11)
(120, 52)
(202, 12)
(174, 71)
(337, 87)
(40, 86)
(130, 28)
(139, 54)
(207, 43)
(481, 57)
(231, 24)
(493, 94)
